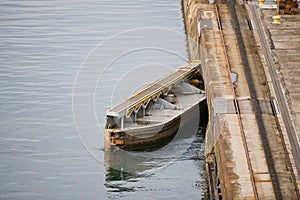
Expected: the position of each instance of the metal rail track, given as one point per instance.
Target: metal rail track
(254, 101)
(238, 110)
(278, 92)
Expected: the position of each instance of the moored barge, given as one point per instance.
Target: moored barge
(157, 112)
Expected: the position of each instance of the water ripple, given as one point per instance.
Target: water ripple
(42, 45)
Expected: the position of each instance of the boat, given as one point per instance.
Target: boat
(153, 116)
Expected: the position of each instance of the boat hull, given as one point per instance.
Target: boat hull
(153, 137)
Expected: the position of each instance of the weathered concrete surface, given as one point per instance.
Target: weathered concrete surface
(285, 44)
(276, 145)
(234, 141)
(224, 127)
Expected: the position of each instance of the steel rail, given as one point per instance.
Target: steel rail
(237, 109)
(254, 101)
(278, 93)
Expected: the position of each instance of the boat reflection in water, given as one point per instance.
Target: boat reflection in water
(123, 167)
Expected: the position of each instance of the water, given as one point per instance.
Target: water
(51, 136)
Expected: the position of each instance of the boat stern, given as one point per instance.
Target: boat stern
(113, 138)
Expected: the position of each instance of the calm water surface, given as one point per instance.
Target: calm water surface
(44, 154)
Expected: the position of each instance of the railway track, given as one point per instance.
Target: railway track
(278, 92)
(237, 108)
(255, 104)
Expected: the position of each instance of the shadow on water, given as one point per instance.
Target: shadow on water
(121, 170)
(114, 175)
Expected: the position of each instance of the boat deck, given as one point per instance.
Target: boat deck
(158, 116)
(152, 91)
